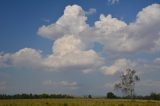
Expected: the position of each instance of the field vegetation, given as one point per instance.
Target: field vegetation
(78, 102)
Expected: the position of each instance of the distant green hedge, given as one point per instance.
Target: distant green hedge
(34, 96)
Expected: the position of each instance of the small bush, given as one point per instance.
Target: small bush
(65, 104)
(121, 104)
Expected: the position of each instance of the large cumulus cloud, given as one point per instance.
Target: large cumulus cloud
(73, 38)
(69, 51)
(141, 35)
(73, 21)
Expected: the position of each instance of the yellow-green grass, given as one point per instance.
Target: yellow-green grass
(77, 102)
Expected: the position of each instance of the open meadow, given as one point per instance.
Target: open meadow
(77, 102)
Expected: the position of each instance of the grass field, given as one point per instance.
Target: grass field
(77, 102)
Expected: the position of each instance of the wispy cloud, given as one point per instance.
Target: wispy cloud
(112, 2)
(61, 84)
(46, 20)
(90, 11)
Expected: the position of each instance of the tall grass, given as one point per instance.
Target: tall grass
(77, 102)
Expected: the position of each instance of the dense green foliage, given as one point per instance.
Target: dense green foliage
(111, 95)
(78, 102)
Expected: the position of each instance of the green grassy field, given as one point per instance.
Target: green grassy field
(77, 102)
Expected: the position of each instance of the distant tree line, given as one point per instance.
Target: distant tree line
(109, 95)
(152, 96)
(34, 96)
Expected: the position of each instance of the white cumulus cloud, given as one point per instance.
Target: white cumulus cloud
(118, 66)
(73, 21)
(69, 51)
(23, 58)
(74, 40)
(141, 35)
(27, 57)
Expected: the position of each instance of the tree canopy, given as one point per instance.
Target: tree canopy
(127, 82)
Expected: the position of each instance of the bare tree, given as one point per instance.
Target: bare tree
(127, 82)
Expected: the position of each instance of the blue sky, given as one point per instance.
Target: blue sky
(78, 47)
(21, 19)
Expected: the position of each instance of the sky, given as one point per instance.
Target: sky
(78, 47)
